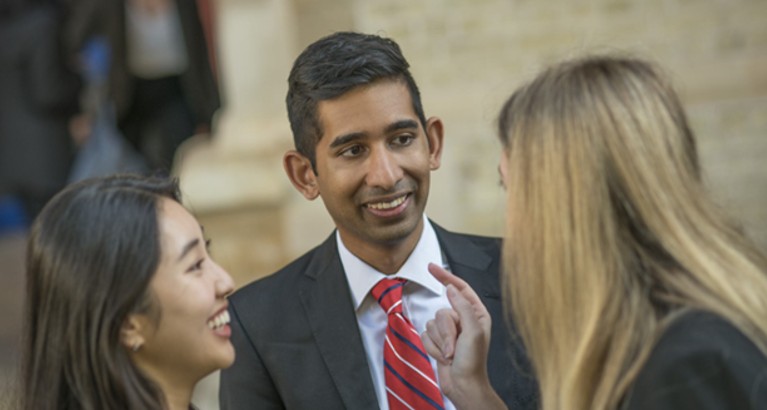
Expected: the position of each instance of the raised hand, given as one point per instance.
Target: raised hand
(459, 339)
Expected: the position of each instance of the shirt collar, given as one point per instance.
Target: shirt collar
(362, 277)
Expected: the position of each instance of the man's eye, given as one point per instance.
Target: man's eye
(403, 140)
(352, 151)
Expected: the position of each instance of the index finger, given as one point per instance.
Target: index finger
(447, 278)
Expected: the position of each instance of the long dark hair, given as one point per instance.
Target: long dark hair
(91, 254)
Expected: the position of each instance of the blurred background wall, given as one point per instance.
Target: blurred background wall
(467, 56)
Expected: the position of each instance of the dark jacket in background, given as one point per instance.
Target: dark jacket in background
(38, 96)
(198, 84)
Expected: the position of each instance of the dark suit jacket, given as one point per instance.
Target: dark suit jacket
(38, 95)
(701, 362)
(298, 344)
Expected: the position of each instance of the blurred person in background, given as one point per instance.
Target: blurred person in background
(38, 97)
(629, 286)
(124, 309)
(161, 82)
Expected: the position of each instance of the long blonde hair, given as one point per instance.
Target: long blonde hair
(610, 231)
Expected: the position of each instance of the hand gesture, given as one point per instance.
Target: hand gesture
(459, 339)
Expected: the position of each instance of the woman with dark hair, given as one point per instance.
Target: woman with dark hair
(629, 286)
(125, 309)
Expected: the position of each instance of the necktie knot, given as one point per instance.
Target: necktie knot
(388, 293)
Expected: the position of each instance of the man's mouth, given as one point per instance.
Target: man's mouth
(382, 206)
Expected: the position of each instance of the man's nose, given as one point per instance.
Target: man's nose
(383, 169)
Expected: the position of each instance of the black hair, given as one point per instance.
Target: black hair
(332, 66)
(91, 255)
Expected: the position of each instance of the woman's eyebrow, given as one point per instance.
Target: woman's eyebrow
(188, 247)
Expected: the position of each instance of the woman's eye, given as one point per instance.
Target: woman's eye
(197, 265)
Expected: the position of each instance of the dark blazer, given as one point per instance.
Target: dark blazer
(38, 95)
(298, 345)
(701, 362)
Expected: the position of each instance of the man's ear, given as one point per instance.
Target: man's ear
(301, 174)
(435, 133)
(132, 332)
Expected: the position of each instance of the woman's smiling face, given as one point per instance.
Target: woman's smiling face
(188, 337)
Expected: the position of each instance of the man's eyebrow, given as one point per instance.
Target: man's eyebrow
(345, 139)
(188, 247)
(402, 125)
(395, 126)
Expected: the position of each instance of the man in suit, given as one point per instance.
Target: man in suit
(312, 335)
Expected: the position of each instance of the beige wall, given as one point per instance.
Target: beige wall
(468, 55)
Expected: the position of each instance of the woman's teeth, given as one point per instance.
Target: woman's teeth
(388, 205)
(220, 320)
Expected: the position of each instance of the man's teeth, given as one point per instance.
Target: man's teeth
(388, 205)
(220, 320)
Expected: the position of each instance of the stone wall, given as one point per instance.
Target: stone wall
(467, 56)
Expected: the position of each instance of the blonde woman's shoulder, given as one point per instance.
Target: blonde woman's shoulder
(701, 362)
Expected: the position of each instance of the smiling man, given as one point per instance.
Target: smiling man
(338, 327)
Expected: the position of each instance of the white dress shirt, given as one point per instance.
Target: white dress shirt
(155, 42)
(422, 297)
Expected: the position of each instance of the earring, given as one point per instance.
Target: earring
(136, 347)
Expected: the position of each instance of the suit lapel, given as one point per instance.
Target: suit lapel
(325, 296)
(470, 262)
(477, 262)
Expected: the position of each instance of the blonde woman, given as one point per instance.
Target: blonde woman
(628, 285)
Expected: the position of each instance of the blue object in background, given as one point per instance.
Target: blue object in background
(12, 215)
(95, 57)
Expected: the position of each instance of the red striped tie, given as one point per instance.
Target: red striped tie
(410, 381)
